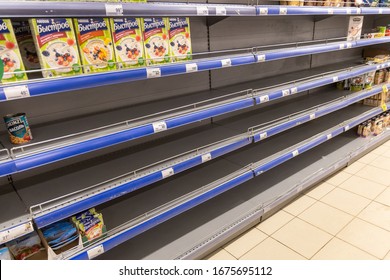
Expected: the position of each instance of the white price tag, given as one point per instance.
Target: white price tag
(191, 67)
(16, 92)
(329, 136)
(283, 11)
(312, 116)
(380, 11)
(294, 90)
(335, 79)
(94, 252)
(15, 232)
(159, 126)
(264, 98)
(153, 72)
(359, 11)
(267, 209)
(349, 45)
(330, 11)
(299, 189)
(295, 153)
(285, 92)
(226, 62)
(206, 157)
(220, 11)
(346, 128)
(263, 11)
(263, 135)
(114, 9)
(202, 11)
(349, 11)
(341, 47)
(167, 172)
(261, 58)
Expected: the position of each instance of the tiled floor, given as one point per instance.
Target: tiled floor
(345, 217)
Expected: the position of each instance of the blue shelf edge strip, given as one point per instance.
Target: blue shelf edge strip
(156, 220)
(275, 10)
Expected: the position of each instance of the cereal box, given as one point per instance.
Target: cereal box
(355, 28)
(10, 55)
(56, 45)
(26, 44)
(129, 46)
(180, 47)
(155, 35)
(95, 44)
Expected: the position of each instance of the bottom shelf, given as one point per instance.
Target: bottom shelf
(202, 229)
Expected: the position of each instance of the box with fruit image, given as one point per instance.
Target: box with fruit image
(156, 42)
(10, 55)
(128, 43)
(95, 44)
(56, 46)
(180, 47)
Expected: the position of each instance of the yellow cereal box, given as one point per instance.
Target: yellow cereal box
(180, 47)
(155, 35)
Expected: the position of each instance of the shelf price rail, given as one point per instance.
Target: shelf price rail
(276, 10)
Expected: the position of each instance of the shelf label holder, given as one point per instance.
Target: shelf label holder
(16, 92)
(153, 72)
(159, 126)
(220, 11)
(167, 172)
(206, 157)
(15, 232)
(113, 9)
(202, 11)
(94, 252)
(191, 67)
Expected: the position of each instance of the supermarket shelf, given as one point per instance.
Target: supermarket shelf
(247, 56)
(45, 150)
(154, 217)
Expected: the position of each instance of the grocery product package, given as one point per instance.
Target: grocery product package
(60, 234)
(5, 254)
(26, 44)
(55, 42)
(25, 246)
(156, 41)
(128, 43)
(90, 225)
(355, 28)
(10, 55)
(180, 47)
(95, 44)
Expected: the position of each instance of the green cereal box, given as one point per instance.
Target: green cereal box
(155, 35)
(10, 55)
(95, 44)
(180, 47)
(129, 46)
(55, 43)
(26, 44)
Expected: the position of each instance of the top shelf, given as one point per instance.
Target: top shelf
(13, 9)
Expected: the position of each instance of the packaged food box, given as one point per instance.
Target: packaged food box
(10, 55)
(129, 46)
(355, 28)
(357, 83)
(156, 41)
(90, 225)
(25, 246)
(26, 44)
(5, 254)
(95, 44)
(55, 42)
(180, 47)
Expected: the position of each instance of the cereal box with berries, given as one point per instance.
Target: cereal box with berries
(95, 44)
(10, 55)
(128, 43)
(156, 41)
(55, 43)
(180, 47)
(26, 44)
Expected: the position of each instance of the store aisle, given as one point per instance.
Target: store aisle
(346, 216)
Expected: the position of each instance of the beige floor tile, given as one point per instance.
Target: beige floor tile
(387, 144)
(384, 197)
(387, 256)
(354, 167)
(326, 217)
(320, 190)
(275, 222)
(302, 237)
(377, 214)
(382, 162)
(363, 187)
(299, 205)
(380, 150)
(367, 237)
(246, 241)
(338, 178)
(375, 174)
(346, 201)
(271, 249)
(337, 249)
(386, 154)
(220, 254)
(368, 158)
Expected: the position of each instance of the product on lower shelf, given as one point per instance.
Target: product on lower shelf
(355, 28)
(128, 43)
(10, 55)
(55, 42)
(375, 125)
(156, 41)
(5, 254)
(95, 44)
(25, 246)
(19, 131)
(60, 234)
(180, 47)
(90, 225)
